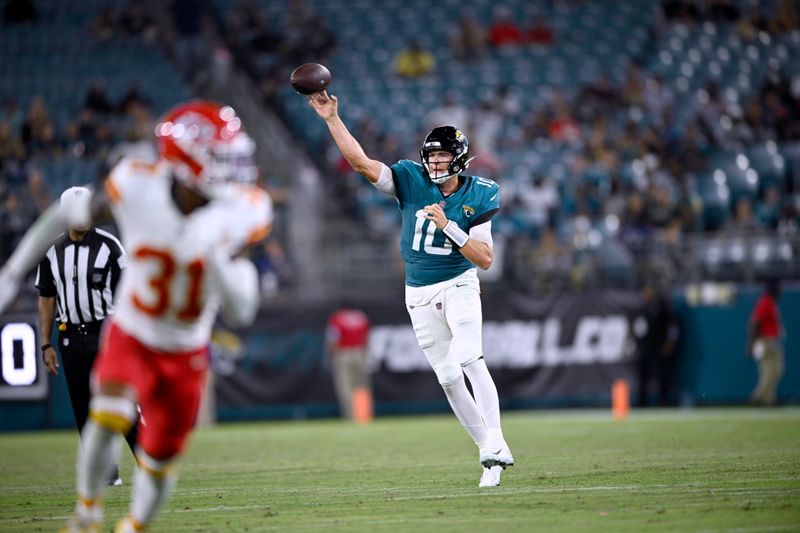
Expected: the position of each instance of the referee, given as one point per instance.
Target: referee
(77, 279)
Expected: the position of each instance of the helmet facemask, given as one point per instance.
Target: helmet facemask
(452, 141)
(223, 164)
(207, 148)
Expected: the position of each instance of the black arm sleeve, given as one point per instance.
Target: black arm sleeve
(44, 279)
(485, 217)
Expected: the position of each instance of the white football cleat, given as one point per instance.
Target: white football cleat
(491, 476)
(496, 455)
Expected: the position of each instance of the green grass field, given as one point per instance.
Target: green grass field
(703, 470)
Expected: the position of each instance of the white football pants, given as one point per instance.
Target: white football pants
(447, 321)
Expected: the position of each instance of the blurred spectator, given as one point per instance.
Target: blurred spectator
(503, 31)
(448, 113)
(681, 11)
(135, 21)
(36, 120)
(769, 209)
(485, 127)
(414, 61)
(38, 197)
(45, 143)
(744, 223)
(96, 98)
(789, 220)
(12, 150)
(244, 17)
(539, 198)
(636, 227)
(597, 98)
(467, 39)
(787, 17)
(540, 32)
(658, 96)
(187, 19)
(319, 41)
(12, 115)
(104, 25)
(507, 102)
(20, 11)
(750, 25)
(721, 11)
(765, 330)
(562, 126)
(535, 125)
(550, 261)
(133, 97)
(346, 339)
(634, 86)
(81, 134)
(657, 333)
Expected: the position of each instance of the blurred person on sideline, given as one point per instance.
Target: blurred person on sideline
(764, 344)
(346, 338)
(656, 339)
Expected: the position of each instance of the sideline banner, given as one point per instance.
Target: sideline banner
(564, 349)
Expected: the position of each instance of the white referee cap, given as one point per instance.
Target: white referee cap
(76, 206)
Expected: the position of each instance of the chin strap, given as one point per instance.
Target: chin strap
(441, 179)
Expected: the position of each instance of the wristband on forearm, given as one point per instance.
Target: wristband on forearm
(456, 234)
(46, 347)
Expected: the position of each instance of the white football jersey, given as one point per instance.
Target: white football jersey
(164, 299)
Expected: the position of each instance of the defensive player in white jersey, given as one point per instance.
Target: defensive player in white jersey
(183, 220)
(446, 233)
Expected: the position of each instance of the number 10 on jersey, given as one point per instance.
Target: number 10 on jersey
(430, 231)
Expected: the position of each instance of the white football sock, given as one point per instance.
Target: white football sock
(98, 453)
(466, 410)
(485, 397)
(153, 483)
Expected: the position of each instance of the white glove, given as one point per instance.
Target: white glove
(9, 286)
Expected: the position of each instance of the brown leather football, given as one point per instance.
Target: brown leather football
(310, 78)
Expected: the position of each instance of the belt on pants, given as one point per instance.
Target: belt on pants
(88, 328)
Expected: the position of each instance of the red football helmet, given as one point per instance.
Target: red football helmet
(207, 146)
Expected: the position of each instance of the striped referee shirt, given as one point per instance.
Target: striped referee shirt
(83, 275)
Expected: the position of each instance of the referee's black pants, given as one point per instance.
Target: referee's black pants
(79, 347)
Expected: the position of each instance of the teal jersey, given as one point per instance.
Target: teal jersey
(430, 256)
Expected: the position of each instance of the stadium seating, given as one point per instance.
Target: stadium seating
(58, 58)
(591, 38)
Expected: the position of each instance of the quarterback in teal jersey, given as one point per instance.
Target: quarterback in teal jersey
(446, 234)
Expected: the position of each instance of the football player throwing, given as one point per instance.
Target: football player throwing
(446, 234)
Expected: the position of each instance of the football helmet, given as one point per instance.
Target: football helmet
(206, 146)
(446, 139)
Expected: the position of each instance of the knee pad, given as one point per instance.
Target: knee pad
(113, 413)
(157, 468)
(448, 373)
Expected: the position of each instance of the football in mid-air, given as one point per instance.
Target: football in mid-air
(310, 78)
